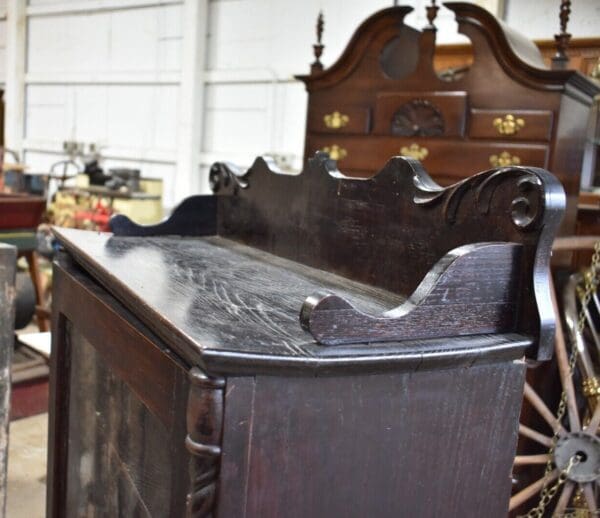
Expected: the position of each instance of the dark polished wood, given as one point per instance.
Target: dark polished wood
(395, 102)
(306, 355)
(324, 455)
(415, 220)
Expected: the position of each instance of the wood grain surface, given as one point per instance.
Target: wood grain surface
(254, 300)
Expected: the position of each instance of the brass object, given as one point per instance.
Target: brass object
(414, 151)
(591, 387)
(336, 120)
(509, 125)
(504, 159)
(336, 152)
(595, 72)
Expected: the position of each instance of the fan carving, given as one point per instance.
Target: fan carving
(418, 118)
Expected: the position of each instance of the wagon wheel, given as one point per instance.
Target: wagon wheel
(578, 432)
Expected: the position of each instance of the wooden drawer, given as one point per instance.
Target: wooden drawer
(420, 114)
(451, 158)
(343, 120)
(511, 124)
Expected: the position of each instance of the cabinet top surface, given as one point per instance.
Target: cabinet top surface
(231, 307)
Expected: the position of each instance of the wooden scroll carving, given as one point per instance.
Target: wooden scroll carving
(401, 231)
(227, 178)
(471, 290)
(204, 425)
(195, 216)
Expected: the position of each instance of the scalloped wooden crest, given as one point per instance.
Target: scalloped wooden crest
(319, 218)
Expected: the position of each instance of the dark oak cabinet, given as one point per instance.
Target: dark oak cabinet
(286, 348)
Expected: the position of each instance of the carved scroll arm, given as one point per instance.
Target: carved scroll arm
(471, 290)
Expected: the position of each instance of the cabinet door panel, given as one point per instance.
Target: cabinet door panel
(121, 457)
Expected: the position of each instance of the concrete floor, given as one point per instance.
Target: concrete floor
(27, 467)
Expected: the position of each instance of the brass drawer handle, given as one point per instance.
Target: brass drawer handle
(414, 151)
(335, 152)
(504, 159)
(336, 120)
(509, 125)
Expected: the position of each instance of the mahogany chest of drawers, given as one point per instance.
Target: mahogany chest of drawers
(383, 98)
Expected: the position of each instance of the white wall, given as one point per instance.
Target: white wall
(172, 85)
(539, 19)
(2, 42)
(107, 72)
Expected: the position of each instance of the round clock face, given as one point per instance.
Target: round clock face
(417, 118)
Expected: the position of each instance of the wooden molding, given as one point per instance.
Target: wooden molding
(471, 290)
(205, 426)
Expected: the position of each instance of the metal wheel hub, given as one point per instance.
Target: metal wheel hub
(585, 445)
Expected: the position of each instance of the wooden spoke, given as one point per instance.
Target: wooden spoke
(565, 496)
(562, 359)
(590, 498)
(531, 490)
(538, 437)
(592, 326)
(573, 243)
(543, 410)
(531, 459)
(592, 426)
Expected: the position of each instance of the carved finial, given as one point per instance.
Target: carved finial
(432, 11)
(560, 59)
(318, 47)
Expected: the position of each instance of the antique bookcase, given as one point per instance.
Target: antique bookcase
(309, 345)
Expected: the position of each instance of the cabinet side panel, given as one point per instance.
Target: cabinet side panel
(428, 444)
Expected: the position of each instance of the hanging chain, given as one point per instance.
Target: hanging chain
(548, 492)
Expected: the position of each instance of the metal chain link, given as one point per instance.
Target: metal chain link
(548, 492)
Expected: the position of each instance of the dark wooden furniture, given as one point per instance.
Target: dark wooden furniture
(383, 97)
(265, 337)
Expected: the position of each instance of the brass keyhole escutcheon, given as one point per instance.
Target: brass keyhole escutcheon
(336, 120)
(509, 125)
(414, 151)
(504, 159)
(335, 152)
